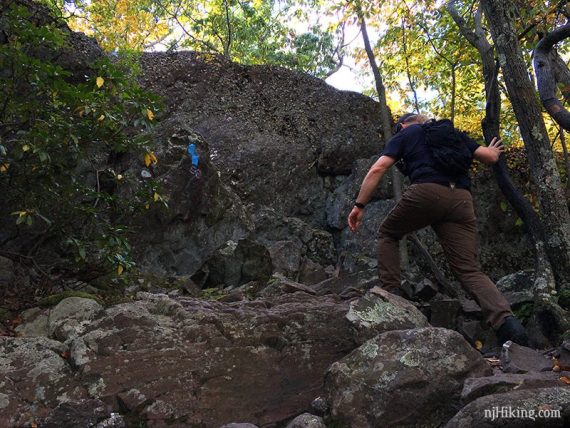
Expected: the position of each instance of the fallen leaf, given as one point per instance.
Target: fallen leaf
(478, 345)
(565, 379)
(149, 158)
(100, 81)
(149, 114)
(120, 269)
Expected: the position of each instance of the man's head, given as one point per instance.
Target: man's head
(409, 119)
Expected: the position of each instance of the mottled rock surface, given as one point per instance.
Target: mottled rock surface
(379, 311)
(474, 388)
(399, 377)
(306, 420)
(171, 361)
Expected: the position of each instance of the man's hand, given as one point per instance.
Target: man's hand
(496, 144)
(490, 154)
(355, 218)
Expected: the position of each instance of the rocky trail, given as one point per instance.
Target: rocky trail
(252, 304)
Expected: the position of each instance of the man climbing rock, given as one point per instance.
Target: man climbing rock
(443, 201)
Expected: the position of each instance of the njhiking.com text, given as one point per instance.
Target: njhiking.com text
(508, 412)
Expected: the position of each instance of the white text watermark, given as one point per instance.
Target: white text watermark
(509, 412)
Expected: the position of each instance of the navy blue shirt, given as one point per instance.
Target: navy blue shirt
(410, 146)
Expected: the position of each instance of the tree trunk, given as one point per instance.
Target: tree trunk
(553, 206)
(386, 123)
(545, 76)
(490, 126)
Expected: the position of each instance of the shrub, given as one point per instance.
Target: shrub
(57, 135)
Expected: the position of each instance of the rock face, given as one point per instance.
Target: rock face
(203, 212)
(162, 360)
(399, 378)
(269, 128)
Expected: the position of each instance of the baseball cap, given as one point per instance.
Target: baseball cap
(402, 119)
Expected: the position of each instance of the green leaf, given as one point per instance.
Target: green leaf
(504, 206)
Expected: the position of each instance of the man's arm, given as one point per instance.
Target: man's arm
(490, 155)
(369, 183)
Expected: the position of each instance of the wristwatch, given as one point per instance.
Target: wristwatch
(359, 205)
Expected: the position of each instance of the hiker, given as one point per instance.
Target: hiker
(436, 199)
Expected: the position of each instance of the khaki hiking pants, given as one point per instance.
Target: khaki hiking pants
(451, 215)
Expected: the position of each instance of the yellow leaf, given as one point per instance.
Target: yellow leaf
(478, 345)
(156, 197)
(150, 158)
(149, 114)
(101, 118)
(26, 147)
(147, 206)
(120, 269)
(100, 81)
(4, 167)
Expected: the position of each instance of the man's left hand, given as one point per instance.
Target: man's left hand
(355, 218)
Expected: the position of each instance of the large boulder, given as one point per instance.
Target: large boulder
(399, 378)
(273, 131)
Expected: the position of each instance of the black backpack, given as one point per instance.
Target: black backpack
(448, 147)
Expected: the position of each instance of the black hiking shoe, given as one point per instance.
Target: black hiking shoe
(512, 330)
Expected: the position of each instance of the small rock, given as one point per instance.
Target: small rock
(563, 356)
(520, 359)
(35, 323)
(306, 420)
(474, 388)
(320, 406)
